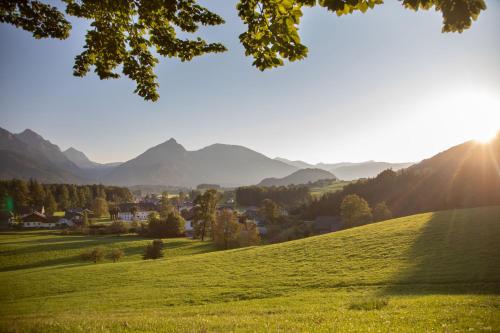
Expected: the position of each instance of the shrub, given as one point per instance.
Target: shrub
(172, 226)
(117, 228)
(369, 303)
(153, 250)
(116, 254)
(95, 255)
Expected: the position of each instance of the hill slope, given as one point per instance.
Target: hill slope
(466, 175)
(302, 176)
(349, 170)
(365, 169)
(28, 155)
(420, 272)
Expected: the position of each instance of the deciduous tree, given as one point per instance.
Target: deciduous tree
(381, 212)
(124, 33)
(205, 210)
(226, 230)
(355, 211)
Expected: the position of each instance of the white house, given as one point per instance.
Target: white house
(142, 211)
(37, 220)
(140, 215)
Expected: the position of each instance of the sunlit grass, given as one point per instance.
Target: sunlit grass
(427, 272)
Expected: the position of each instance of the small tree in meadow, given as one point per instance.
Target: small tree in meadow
(355, 211)
(95, 255)
(153, 250)
(249, 234)
(381, 212)
(116, 254)
(226, 230)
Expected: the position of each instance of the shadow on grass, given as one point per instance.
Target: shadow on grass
(457, 251)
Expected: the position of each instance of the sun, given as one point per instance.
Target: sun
(485, 137)
(475, 114)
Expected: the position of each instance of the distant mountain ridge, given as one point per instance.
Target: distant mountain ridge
(299, 177)
(28, 155)
(350, 170)
(171, 164)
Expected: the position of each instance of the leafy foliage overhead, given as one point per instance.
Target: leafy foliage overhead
(128, 34)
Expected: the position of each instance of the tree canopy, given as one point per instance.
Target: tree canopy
(127, 34)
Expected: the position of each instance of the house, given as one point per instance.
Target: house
(74, 216)
(136, 211)
(37, 220)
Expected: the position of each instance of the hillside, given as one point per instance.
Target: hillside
(89, 168)
(462, 176)
(365, 169)
(27, 155)
(302, 176)
(427, 272)
(349, 170)
(171, 164)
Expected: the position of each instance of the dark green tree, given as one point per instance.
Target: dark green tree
(50, 204)
(205, 209)
(20, 194)
(153, 250)
(270, 211)
(124, 33)
(381, 212)
(63, 197)
(37, 194)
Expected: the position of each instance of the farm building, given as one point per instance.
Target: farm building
(37, 220)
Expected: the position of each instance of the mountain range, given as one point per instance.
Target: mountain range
(28, 155)
(349, 170)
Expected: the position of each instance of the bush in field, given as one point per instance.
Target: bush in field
(95, 255)
(116, 254)
(355, 211)
(117, 228)
(369, 303)
(153, 250)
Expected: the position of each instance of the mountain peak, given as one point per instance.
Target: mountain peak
(171, 141)
(28, 133)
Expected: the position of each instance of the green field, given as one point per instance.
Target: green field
(435, 272)
(334, 187)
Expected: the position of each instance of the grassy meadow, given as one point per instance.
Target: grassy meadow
(334, 187)
(433, 272)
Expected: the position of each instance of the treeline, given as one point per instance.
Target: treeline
(286, 196)
(19, 195)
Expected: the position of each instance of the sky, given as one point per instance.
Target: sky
(386, 85)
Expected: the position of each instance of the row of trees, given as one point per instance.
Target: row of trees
(18, 195)
(287, 196)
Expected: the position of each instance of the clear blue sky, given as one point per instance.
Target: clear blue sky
(385, 85)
